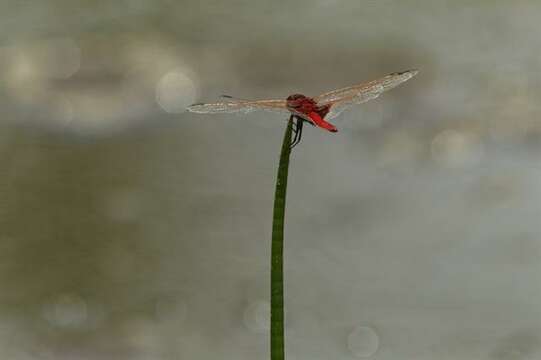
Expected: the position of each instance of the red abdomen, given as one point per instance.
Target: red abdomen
(318, 120)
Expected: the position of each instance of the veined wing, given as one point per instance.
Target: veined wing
(341, 99)
(237, 105)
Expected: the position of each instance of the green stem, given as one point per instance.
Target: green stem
(277, 269)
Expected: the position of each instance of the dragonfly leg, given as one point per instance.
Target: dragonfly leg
(298, 133)
(294, 138)
(294, 127)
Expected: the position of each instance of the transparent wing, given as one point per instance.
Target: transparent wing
(237, 105)
(341, 99)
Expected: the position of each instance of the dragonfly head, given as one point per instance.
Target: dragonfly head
(295, 98)
(300, 103)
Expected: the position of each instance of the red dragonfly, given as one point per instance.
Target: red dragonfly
(313, 110)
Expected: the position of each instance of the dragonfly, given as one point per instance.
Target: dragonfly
(316, 110)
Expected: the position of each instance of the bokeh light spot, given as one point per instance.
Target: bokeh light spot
(454, 148)
(257, 316)
(175, 91)
(363, 342)
(66, 311)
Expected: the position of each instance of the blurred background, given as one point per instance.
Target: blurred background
(130, 229)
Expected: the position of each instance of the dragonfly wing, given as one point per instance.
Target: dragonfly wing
(341, 99)
(242, 106)
(338, 107)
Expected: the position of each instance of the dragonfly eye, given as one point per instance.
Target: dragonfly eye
(295, 97)
(295, 101)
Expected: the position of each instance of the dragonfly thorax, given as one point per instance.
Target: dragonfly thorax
(301, 103)
(306, 105)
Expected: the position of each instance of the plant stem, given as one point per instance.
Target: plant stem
(277, 269)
